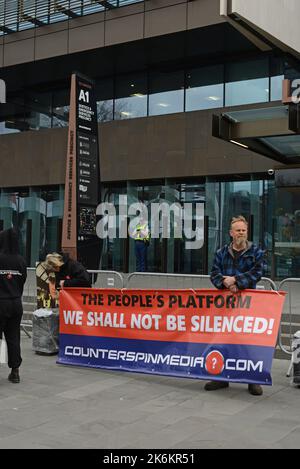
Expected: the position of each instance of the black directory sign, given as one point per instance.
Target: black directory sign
(87, 170)
(82, 175)
(87, 144)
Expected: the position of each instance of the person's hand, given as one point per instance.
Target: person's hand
(229, 282)
(61, 283)
(234, 289)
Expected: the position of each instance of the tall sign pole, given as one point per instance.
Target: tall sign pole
(82, 185)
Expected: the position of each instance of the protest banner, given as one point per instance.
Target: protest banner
(204, 334)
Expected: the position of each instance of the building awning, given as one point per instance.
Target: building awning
(273, 132)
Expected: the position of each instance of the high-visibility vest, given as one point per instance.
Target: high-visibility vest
(139, 236)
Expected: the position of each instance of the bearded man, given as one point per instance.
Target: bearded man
(238, 266)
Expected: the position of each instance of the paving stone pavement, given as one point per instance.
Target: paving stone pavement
(69, 407)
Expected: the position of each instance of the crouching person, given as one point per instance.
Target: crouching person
(68, 272)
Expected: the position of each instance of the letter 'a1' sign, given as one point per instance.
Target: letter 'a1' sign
(2, 92)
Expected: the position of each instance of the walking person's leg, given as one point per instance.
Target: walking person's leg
(13, 338)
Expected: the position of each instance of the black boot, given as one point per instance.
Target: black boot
(215, 385)
(255, 389)
(14, 376)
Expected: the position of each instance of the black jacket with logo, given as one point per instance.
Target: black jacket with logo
(13, 275)
(73, 273)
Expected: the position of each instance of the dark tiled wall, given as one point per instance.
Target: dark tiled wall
(177, 145)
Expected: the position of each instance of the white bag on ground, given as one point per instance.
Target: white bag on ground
(3, 351)
(45, 328)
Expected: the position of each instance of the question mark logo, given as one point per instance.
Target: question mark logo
(215, 363)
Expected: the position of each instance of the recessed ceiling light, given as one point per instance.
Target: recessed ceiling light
(126, 113)
(239, 144)
(163, 104)
(213, 98)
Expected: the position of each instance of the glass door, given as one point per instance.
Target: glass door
(287, 233)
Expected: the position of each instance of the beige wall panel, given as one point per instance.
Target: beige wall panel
(19, 52)
(1, 56)
(124, 11)
(85, 20)
(178, 145)
(21, 36)
(279, 18)
(165, 20)
(129, 28)
(52, 28)
(33, 158)
(204, 13)
(87, 37)
(153, 4)
(51, 45)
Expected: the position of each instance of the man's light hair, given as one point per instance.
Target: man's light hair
(53, 261)
(240, 218)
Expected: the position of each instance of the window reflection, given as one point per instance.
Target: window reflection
(61, 108)
(247, 82)
(276, 88)
(40, 106)
(104, 97)
(277, 76)
(166, 93)
(131, 96)
(205, 89)
(154, 93)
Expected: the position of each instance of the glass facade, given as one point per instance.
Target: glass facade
(37, 214)
(152, 93)
(273, 215)
(221, 200)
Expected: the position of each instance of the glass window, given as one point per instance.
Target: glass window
(114, 251)
(104, 97)
(180, 259)
(37, 214)
(12, 116)
(131, 96)
(38, 110)
(277, 75)
(8, 209)
(61, 108)
(247, 82)
(54, 199)
(205, 88)
(166, 93)
(276, 88)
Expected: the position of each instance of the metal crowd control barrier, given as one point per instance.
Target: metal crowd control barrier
(106, 279)
(266, 284)
(291, 314)
(180, 281)
(29, 300)
(151, 280)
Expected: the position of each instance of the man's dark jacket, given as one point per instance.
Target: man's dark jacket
(73, 273)
(248, 268)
